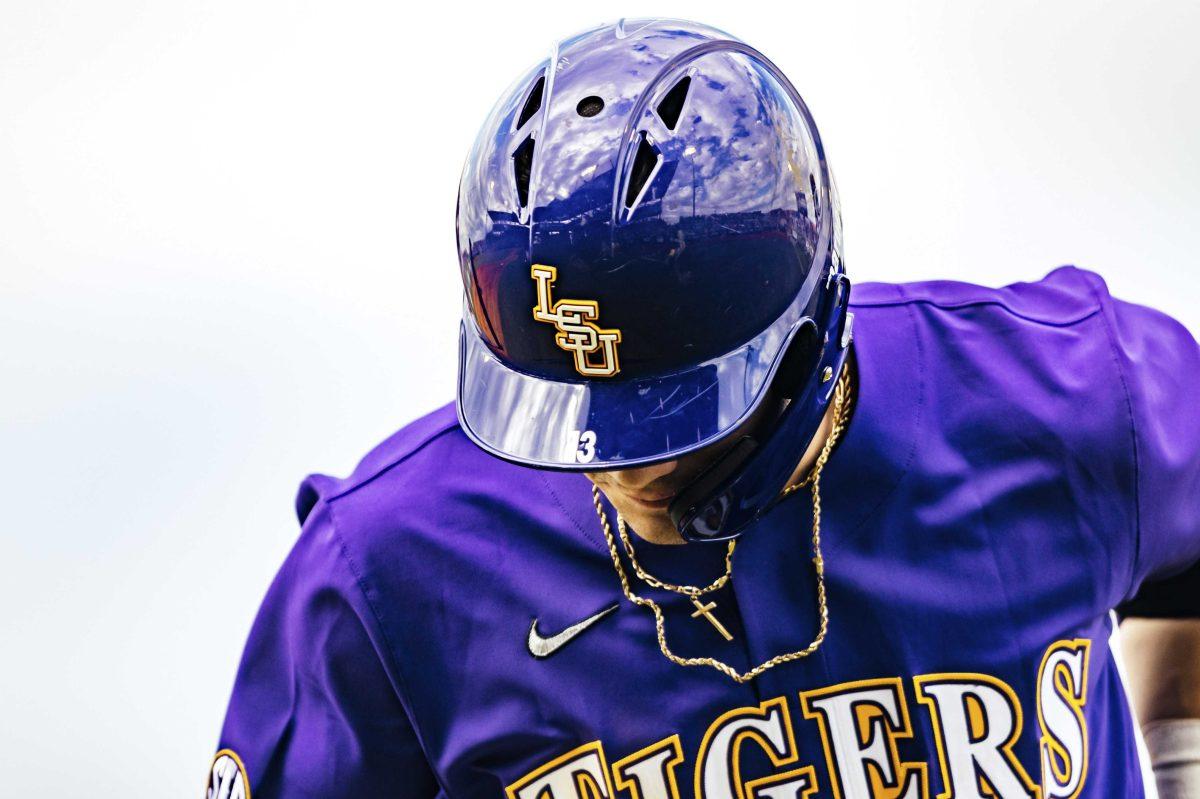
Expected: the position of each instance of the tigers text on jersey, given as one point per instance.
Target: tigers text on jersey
(1018, 462)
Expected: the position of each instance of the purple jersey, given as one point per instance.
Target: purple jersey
(1018, 462)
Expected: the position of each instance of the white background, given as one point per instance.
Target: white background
(227, 259)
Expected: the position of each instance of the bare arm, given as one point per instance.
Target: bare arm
(1163, 660)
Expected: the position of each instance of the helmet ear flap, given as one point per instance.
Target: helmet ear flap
(799, 362)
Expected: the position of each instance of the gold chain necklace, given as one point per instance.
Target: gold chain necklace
(841, 403)
(690, 591)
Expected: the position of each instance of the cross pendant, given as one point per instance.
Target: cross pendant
(706, 612)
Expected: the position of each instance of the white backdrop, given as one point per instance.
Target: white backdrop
(227, 259)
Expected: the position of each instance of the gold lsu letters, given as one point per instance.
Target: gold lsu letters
(575, 321)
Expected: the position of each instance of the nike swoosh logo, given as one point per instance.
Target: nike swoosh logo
(541, 647)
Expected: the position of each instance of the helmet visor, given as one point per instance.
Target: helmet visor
(598, 424)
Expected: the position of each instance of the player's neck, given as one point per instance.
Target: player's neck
(814, 447)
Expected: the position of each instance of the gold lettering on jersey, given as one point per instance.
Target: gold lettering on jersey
(718, 765)
(649, 773)
(1062, 694)
(594, 348)
(860, 724)
(799, 783)
(976, 721)
(581, 773)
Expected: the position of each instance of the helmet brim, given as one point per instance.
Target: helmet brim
(616, 423)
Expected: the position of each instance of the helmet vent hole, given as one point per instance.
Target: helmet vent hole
(522, 167)
(671, 106)
(590, 106)
(644, 163)
(532, 103)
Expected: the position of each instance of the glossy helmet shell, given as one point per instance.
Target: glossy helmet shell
(674, 183)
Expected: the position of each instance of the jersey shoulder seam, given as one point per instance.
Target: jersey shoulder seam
(903, 295)
(956, 306)
(360, 584)
(1110, 336)
(408, 452)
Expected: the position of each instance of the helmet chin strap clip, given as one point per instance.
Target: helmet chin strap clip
(847, 330)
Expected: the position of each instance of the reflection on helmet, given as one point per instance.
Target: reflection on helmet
(645, 220)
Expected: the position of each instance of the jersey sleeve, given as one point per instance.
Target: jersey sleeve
(317, 707)
(1158, 363)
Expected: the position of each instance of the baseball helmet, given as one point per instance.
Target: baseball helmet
(649, 240)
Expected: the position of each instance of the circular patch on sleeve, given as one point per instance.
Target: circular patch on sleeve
(227, 778)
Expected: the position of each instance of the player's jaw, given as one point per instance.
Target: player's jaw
(642, 494)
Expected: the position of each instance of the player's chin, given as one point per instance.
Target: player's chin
(655, 527)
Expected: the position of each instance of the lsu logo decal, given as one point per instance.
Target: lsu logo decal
(594, 348)
(227, 777)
